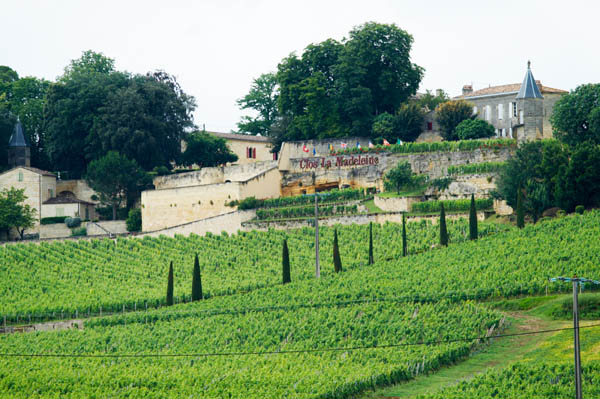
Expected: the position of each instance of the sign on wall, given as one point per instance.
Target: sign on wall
(338, 162)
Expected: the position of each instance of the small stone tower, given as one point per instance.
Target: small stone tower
(19, 153)
(531, 105)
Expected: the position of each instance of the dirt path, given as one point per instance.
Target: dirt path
(48, 326)
(500, 353)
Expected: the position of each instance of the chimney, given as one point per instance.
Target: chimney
(539, 84)
(467, 89)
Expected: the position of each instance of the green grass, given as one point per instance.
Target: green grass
(371, 207)
(407, 192)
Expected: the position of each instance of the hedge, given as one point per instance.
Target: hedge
(53, 220)
(451, 205)
(296, 212)
(306, 199)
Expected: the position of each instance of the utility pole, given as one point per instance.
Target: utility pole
(317, 264)
(576, 281)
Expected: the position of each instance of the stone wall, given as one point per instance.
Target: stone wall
(306, 175)
(396, 204)
(60, 230)
(381, 218)
(80, 188)
(221, 174)
(463, 186)
(230, 222)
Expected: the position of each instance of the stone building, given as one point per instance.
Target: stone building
(248, 148)
(516, 110)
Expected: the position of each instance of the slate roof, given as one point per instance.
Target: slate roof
(243, 137)
(529, 88)
(18, 139)
(507, 89)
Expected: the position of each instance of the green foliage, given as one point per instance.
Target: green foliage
(430, 101)
(262, 99)
(578, 180)
(475, 168)
(170, 284)
(206, 150)
(443, 228)
(443, 146)
(370, 243)
(402, 177)
(335, 89)
(441, 183)
(473, 235)
(134, 220)
(79, 232)
(53, 220)
(305, 211)
(196, 281)
(73, 222)
(580, 209)
(384, 125)
(520, 213)
(14, 213)
(285, 263)
(337, 261)
(347, 194)
(576, 116)
(116, 179)
(450, 114)
(470, 129)
(451, 205)
(405, 124)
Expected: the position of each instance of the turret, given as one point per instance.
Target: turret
(530, 102)
(19, 153)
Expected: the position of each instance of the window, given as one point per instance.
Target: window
(510, 132)
(20, 176)
(254, 153)
(500, 110)
(503, 132)
(497, 133)
(429, 125)
(275, 156)
(514, 109)
(488, 113)
(248, 152)
(50, 193)
(475, 110)
(87, 213)
(521, 116)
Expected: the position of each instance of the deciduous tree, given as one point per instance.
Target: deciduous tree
(450, 114)
(205, 150)
(262, 99)
(14, 213)
(576, 116)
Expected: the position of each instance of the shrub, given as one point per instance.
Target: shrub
(134, 220)
(73, 222)
(520, 213)
(285, 262)
(441, 183)
(443, 229)
(337, 261)
(249, 203)
(196, 281)
(161, 170)
(170, 285)
(473, 219)
(470, 129)
(78, 232)
(53, 220)
(451, 205)
(579, 209)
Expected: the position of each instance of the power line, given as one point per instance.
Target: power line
(282, 352)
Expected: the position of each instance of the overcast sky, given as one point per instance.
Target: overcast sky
(216, 48)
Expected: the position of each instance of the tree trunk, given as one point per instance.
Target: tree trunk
(114, 208)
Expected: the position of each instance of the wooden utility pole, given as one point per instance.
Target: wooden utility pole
(576, 340)
(317, 264)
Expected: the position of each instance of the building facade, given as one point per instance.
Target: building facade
(247, 147)
(520, 111)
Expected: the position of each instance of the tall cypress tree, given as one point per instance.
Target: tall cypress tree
(404, 245)
(473, 220)
(196, 281)
(520, 215)
(371, 261)
(337, 262)
(443, 230)
(170, 286)
(285, 262)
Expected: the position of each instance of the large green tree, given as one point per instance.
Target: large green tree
(262, 99)
(14, 213)
(206, 150)
(450, 114)
(470, 129)
(576, 116)
(116, 179)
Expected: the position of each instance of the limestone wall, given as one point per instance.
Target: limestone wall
(366, 170)
(221, 174)
(396, 204)
(101, 228)
(57, 230)
(240, 148)
(230, 222)
(80, 188)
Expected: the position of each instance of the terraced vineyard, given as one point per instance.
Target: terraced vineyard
(315, 338)
(85, 276)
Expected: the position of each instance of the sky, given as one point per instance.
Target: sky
(216, 48)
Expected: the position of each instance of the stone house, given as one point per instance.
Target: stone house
(248, 148)
(516, 110)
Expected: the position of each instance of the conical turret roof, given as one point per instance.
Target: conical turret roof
(18, 139)
(529, 89)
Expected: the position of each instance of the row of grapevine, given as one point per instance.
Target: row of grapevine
(305, 211)
(473, 168)
(451, 205)
(442, 146)
(51, 280)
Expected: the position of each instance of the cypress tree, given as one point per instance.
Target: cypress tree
(473, 220)
(196, 281)
(337, 262)
(285, 262)
(404, 246)
(371, 243)
(443, 230)
(170, 286)
(520, 215)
